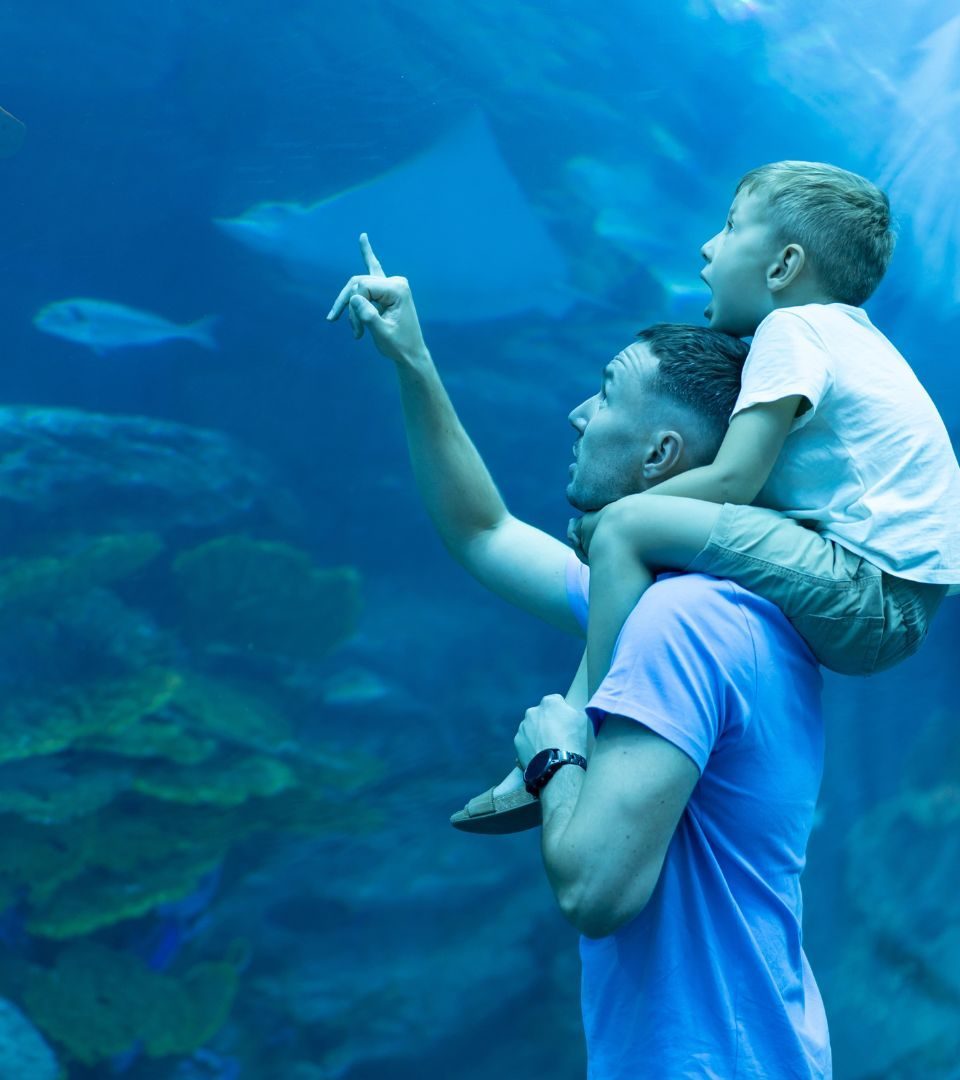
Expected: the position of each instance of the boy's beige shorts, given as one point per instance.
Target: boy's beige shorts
(856, 618)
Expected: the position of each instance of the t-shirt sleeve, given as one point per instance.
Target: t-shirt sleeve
(787, 357)
(683, 658)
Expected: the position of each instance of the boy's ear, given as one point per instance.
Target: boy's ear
(785, 270)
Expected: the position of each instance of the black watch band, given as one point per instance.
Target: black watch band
(542, 767)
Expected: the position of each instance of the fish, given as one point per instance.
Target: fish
(102, 325)
(354, 686)
(12, 133)
(452, 220)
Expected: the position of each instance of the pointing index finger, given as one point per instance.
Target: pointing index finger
(373, 263)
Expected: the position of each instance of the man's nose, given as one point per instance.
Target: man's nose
(581, 414)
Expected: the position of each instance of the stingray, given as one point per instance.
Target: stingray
(453, 220)
(12, 133)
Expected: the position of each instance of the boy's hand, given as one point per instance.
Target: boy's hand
(580, 533)
(382, 305)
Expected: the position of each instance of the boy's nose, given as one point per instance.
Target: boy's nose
(707, 249)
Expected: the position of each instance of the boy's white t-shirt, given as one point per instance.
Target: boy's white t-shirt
(869, 464)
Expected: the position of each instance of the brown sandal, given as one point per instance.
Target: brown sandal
(513, 811)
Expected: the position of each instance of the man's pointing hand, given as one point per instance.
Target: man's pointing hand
(384, 306)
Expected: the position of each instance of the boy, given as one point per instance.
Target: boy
(855, 534)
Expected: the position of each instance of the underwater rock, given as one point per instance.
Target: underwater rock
(888, 1019)
(902, 872)
(893, 997)
(257, 596)
(382, 989)
(24, 1054)
(98, 1002)
(124, 474)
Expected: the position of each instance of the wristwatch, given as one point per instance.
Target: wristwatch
(542, 766)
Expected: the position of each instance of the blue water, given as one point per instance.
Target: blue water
(362, 946)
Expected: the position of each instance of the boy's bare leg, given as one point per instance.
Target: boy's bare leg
(630, 537)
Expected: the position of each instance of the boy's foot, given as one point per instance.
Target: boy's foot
(506, 808)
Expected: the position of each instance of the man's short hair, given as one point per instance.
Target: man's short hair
(699, 368)
(841, 220)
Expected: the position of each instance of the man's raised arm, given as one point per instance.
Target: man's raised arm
(518, 562)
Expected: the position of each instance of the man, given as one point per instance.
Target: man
(675, 841)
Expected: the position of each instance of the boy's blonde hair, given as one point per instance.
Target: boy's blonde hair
(841, 220)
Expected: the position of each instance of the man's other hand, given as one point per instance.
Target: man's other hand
(551, 723)
(384, 306)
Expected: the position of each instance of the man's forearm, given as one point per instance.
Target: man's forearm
(457, 490)
(559, 801)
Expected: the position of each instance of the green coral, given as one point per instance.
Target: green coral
(32, 725)
(266, 597)
(41, 582)
(52, 790)
(97, 900)
(228, 782)
(232, 713)
(97, 1002)
(38, 859)
(154, 736)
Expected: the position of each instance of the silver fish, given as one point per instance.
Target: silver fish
(102, 325)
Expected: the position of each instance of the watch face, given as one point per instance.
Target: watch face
(538, 765)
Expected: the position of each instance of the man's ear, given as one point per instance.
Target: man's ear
(664, 456)
(785, 269)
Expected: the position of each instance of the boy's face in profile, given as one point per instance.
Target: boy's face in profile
(738, 259)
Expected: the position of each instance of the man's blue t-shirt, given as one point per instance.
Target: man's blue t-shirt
(710, 979)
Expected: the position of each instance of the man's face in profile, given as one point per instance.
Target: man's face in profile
(616, 432)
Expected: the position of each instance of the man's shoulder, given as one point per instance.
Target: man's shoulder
(682, 592)
(711, 614)
(697, 605)
(726, 623)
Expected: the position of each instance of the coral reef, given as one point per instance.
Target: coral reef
(97, 1002)
(43, 581)
(125, 474)
(32, 725)
(143, 742)
(895, 991)
(266, 597)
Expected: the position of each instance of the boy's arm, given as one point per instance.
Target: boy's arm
(619, 573)
(745, 459)
(518, 562)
